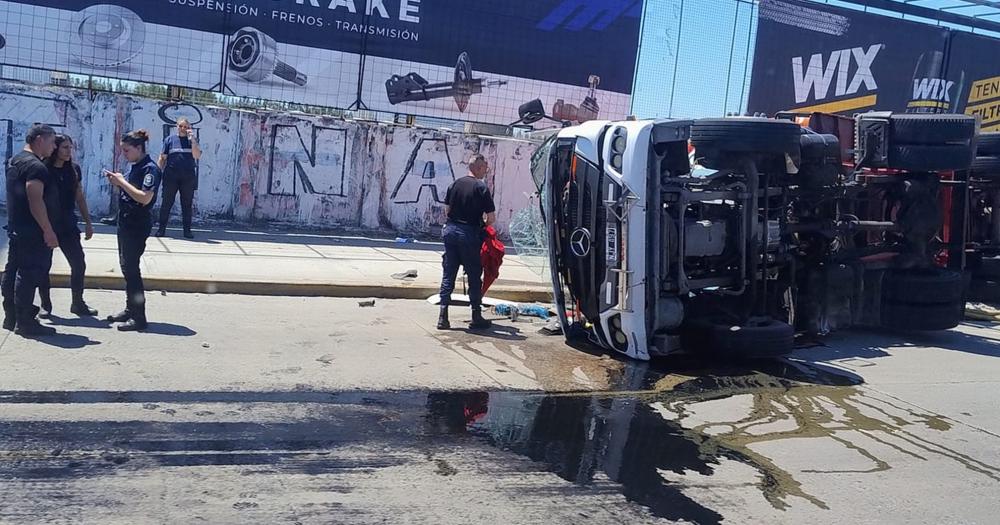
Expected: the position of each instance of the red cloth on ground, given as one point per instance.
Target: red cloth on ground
(491, 255)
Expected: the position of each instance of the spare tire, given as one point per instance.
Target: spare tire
(989, 144)
(986, 167)
(984, 290)
(768, 338)
(746, 135)
(940, 157)
(923, 286)
(923, 317)
(930, 129)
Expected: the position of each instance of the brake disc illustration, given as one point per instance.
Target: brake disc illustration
(107, 35)
(253, 55)
(414, 88)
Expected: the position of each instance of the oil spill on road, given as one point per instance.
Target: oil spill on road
(645, 436)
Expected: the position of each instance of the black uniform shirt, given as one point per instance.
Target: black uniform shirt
(144, 175)
(180, 159)
(468, 199)
(21, 169)
(67, 179)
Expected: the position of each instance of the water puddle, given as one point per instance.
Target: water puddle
(656, 429)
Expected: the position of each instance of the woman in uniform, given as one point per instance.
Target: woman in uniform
(67, 176)
(135, 222)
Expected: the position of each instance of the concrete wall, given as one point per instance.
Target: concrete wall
(300, 170)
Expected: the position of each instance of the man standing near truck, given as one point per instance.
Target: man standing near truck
(469, 207)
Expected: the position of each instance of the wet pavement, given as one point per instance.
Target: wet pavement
(831, 435)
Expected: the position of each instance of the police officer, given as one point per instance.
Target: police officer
(467, 203)
(135, 222)
(31, 200)
(177, 161)
(67, 177)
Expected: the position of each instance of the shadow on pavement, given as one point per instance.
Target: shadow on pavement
(877, 341)
(66, 341)
(78, 322)
(498, 331)
(170, 329)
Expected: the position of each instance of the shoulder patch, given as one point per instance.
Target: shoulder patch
(148, 181)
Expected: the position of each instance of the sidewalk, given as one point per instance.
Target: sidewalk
(295, 264)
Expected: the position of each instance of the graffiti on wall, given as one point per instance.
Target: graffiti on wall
(263, 166)
(315, 164)
(429, 168)
(20, 111)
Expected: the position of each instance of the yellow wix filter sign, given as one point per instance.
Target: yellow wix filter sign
(984, 102)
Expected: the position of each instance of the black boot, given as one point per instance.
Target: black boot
(9, 315)
(443, 323)
(28, 326)
(478, 322)
(120, 317)
(133, 325)
(82, 309)
(46, 301)
(188, 234)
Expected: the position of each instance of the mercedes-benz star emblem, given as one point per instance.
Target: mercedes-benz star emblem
(579, 242)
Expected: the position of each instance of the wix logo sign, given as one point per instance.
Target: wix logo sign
(852, 69)
(932, 89)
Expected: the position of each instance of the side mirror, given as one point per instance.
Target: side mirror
(531, 112)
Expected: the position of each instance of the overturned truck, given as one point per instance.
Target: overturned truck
(731, 236)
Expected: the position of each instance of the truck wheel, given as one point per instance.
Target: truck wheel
(768, 338)
(986, 167)
(932, 129)
(989, 145)
(746, 135)
(926, 157)
(923, 286)
(923, 317)
(984, 289)
(987, 269)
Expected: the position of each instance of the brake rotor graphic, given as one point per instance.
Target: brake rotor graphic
(463, 81)
(107, 35)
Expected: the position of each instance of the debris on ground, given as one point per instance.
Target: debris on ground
(532, 310)
(206, 345)
(408, 275)
(982, 312)
(404, 240)
(553, 327)
(367, 303)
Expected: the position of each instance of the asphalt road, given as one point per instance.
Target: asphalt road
(293, 410)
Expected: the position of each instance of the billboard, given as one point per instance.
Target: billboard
(813, 57)
(970, 64)
(444, 58)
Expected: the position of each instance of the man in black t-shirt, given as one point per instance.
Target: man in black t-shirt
(31, 195)
(470, 208)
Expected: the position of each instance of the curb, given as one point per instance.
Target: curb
(527, 294)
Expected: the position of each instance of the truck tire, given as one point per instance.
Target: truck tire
(987, 269)
(932, 129)
(984, 289)
(986, 167)
(746, 135)
(926, 157)
(989, 145)
(923, 286)
(766, 339)
(922, 317)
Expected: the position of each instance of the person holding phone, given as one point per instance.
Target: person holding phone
(178, 161)
(31, 196)
(67, 177)
(137, 195)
